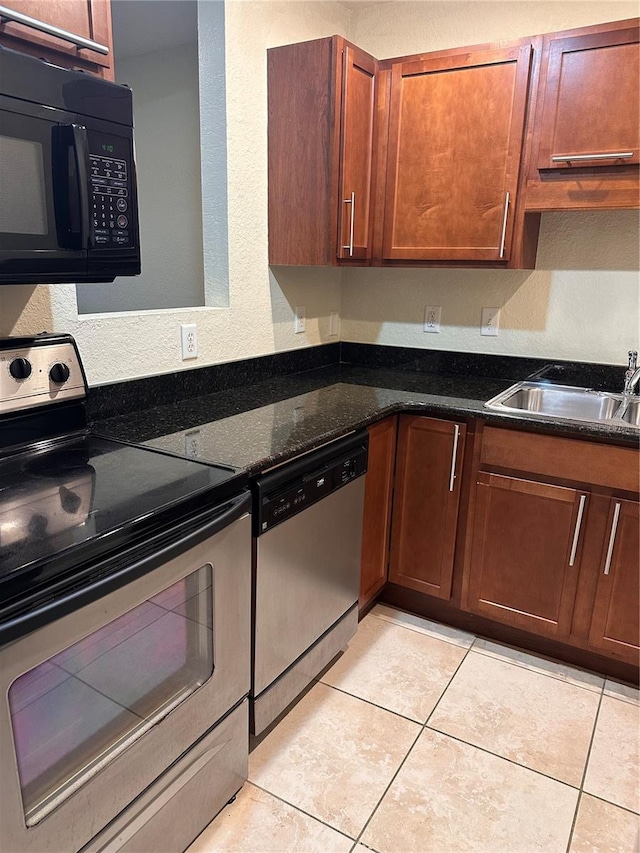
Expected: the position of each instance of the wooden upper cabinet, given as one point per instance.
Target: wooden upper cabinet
(426, 500)
(320, 139)
(356, 154)
(586, 140)
(614, 624)
(455, 140)
(89, 19)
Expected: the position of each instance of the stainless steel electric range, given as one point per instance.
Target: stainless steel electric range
(125, 607)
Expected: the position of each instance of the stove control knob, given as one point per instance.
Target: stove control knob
(20, 368)
(59, 373)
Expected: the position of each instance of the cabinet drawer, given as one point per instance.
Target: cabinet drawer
(561, 458)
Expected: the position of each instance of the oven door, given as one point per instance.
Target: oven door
(98, 703)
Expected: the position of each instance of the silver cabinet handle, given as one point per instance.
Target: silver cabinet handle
(504, 223)
(566, 158)
(612, 538)
(50, 29)
(352, 202)
(456, 434)
(576, 533)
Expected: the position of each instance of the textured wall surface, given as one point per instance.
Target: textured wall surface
(166, 105)
(581, 302)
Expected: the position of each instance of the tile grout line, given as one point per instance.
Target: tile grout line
(384, 793)
(302, 811)
(504, 659)
(373, 704)
(503, 758)
(609, 803)
(402, 763)
(584, 772)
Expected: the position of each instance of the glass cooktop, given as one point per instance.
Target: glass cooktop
(58, 502)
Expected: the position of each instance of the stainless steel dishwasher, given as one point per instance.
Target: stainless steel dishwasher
(307, 538)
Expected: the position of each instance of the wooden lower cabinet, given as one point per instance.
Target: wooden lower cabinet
(525, 553)
(426, 500)
(378, 492)
(614, 623)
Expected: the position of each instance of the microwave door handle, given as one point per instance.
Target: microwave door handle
(69, 148)
(81, 153)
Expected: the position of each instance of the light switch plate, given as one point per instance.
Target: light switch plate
(490, 321)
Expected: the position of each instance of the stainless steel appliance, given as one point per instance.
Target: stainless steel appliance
(125, 606)
(68, 202)
(308, 532)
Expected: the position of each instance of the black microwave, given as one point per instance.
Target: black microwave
(68, 201)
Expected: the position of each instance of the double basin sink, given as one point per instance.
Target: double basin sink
(570, 402)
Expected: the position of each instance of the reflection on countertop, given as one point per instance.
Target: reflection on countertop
(260, 425)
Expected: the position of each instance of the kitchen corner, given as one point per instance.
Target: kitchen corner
(319, 426)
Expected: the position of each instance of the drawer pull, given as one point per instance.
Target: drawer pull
(567, 158)
(352, 202)
(79, 41)
(456, 434)
(576, 533)
(612, 538)
(504, 223)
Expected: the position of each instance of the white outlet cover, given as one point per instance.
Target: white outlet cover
(334, 323)
(432, 315)
(189, 340)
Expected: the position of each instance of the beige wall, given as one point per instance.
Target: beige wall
(587, 311)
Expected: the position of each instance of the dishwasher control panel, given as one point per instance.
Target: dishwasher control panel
(299, 484)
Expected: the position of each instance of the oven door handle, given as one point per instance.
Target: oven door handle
(68, 602)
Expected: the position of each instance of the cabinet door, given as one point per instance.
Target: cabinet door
(614, 624)
(426, 499)
(455, 139)
(90, 19)
(378, 491)
(525, 553)
(590, 106)
(356, 152)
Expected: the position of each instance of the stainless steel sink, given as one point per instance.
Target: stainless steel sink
(630, 413)
(566, 401)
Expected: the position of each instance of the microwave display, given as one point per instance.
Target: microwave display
(110, 192)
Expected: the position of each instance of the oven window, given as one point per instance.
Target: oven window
(78, 710)
(23, 207)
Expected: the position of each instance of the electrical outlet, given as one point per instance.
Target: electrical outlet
(192, 444)
(334, 323)
(490, 321)
(298, 319)
(432, 314)
(189, 340)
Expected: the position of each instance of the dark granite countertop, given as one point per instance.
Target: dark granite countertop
(268, 422)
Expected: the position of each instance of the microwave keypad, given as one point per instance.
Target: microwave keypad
(110, 201)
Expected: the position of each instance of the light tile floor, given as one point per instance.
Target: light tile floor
(424, 739)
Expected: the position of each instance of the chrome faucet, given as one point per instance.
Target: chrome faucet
(632, 374)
